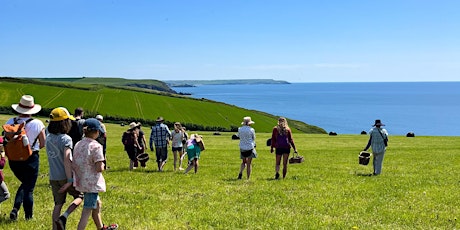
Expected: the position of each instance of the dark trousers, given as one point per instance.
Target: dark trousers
(27, 173)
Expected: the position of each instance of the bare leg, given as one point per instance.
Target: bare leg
(175, 159)
(196, 165)
(96, 214)
(277, 165)
(285, 163)
(190, 166)
(249, 168)
(84, 218)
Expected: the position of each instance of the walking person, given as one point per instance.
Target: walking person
(177, 137)
(4, 192)
(247, 145)
(88, 164)
(131, 144)
(27, 171)
(59, 150)
(282, 141)
(142, 142)
(102, 138)
(378, 140)
(159, 138)
(76, 131)
(194, 151)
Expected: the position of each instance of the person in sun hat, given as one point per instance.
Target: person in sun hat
(160, 137)
(88, 164)
(194, 151)
(378, 139)
(59, 150)
(4, 192)
(27, 171)
(282, 141)
(142, 156)
(247, 145)
(130, 140)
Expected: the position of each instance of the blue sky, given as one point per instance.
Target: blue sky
(297, 41)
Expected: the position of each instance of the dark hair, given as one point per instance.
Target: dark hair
(58, 127)
(87, 132)
(78, 111)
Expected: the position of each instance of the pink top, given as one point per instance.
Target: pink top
(87, 153)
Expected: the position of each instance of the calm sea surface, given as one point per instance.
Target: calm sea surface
(425, 108)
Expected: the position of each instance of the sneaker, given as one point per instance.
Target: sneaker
(110, 227)
(14, 214)
(60, 223)
(277, 176)
(181, 169)
(240, 176)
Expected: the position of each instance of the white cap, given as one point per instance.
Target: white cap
(99, 117)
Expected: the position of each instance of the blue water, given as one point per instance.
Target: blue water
(425, 108)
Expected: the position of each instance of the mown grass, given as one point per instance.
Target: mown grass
(123, 103)
(330, 190)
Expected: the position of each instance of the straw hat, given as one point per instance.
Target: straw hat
(133, 125)
(99, 117)
(378, 123)
(26, 105)
(247, 121)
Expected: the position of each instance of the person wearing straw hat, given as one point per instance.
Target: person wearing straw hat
(159, 138)
(247, 145)
(131, 143)
(59, 150)
(378, 138)
(4, 192)
(27, 171)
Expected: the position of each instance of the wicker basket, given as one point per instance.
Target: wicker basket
(364, 157)
(296, 159)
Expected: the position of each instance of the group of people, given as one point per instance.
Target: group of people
(75, 165)
(161, 138)
(76, 154)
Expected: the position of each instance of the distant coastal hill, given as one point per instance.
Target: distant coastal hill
(192, 83)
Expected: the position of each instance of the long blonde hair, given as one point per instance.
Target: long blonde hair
(282, 126)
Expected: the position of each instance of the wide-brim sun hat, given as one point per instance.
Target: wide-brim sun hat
(133, 125)
(99, 117)
(247, 121)
(159, 119)
(60, 114)
(26, 105)
(378, 123)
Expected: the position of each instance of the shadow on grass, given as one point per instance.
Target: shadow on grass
(364, 174)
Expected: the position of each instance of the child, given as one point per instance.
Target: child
(88, 165)
(193, 152)
(4, 193)
(177, 137)
(59, 149)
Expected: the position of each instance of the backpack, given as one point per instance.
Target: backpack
(16, 142)
(128, 138)
(75, 131)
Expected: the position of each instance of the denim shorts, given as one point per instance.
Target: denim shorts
(90, 200)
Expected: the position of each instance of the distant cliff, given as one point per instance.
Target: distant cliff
(192, 83)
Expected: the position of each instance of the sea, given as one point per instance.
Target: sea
(423, 108)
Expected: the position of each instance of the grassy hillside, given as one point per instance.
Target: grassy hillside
(418, 188)
(118, 104)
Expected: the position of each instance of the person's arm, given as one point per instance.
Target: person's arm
(291, 140)
(368, 144)
(68, 170)
(42, 139)
(99, 166)
(273, 142)
(151, 140)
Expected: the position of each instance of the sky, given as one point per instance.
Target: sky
(292, 40)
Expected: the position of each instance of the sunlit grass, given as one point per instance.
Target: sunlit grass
(418, 188)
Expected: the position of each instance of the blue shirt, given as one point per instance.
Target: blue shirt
(160, 136)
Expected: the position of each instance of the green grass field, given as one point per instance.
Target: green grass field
(418, 188)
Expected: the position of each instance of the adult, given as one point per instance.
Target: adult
(378, 139)
(177, 146)
(76, 131)
(102, 138)
(247, 145)
(131, 144)
(142, 142)
(159, 138)
(282, 141)
(27, 171)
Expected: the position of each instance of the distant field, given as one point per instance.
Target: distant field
(330, 190)
(134, 105)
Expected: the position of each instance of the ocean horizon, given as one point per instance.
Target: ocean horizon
(424, 108)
